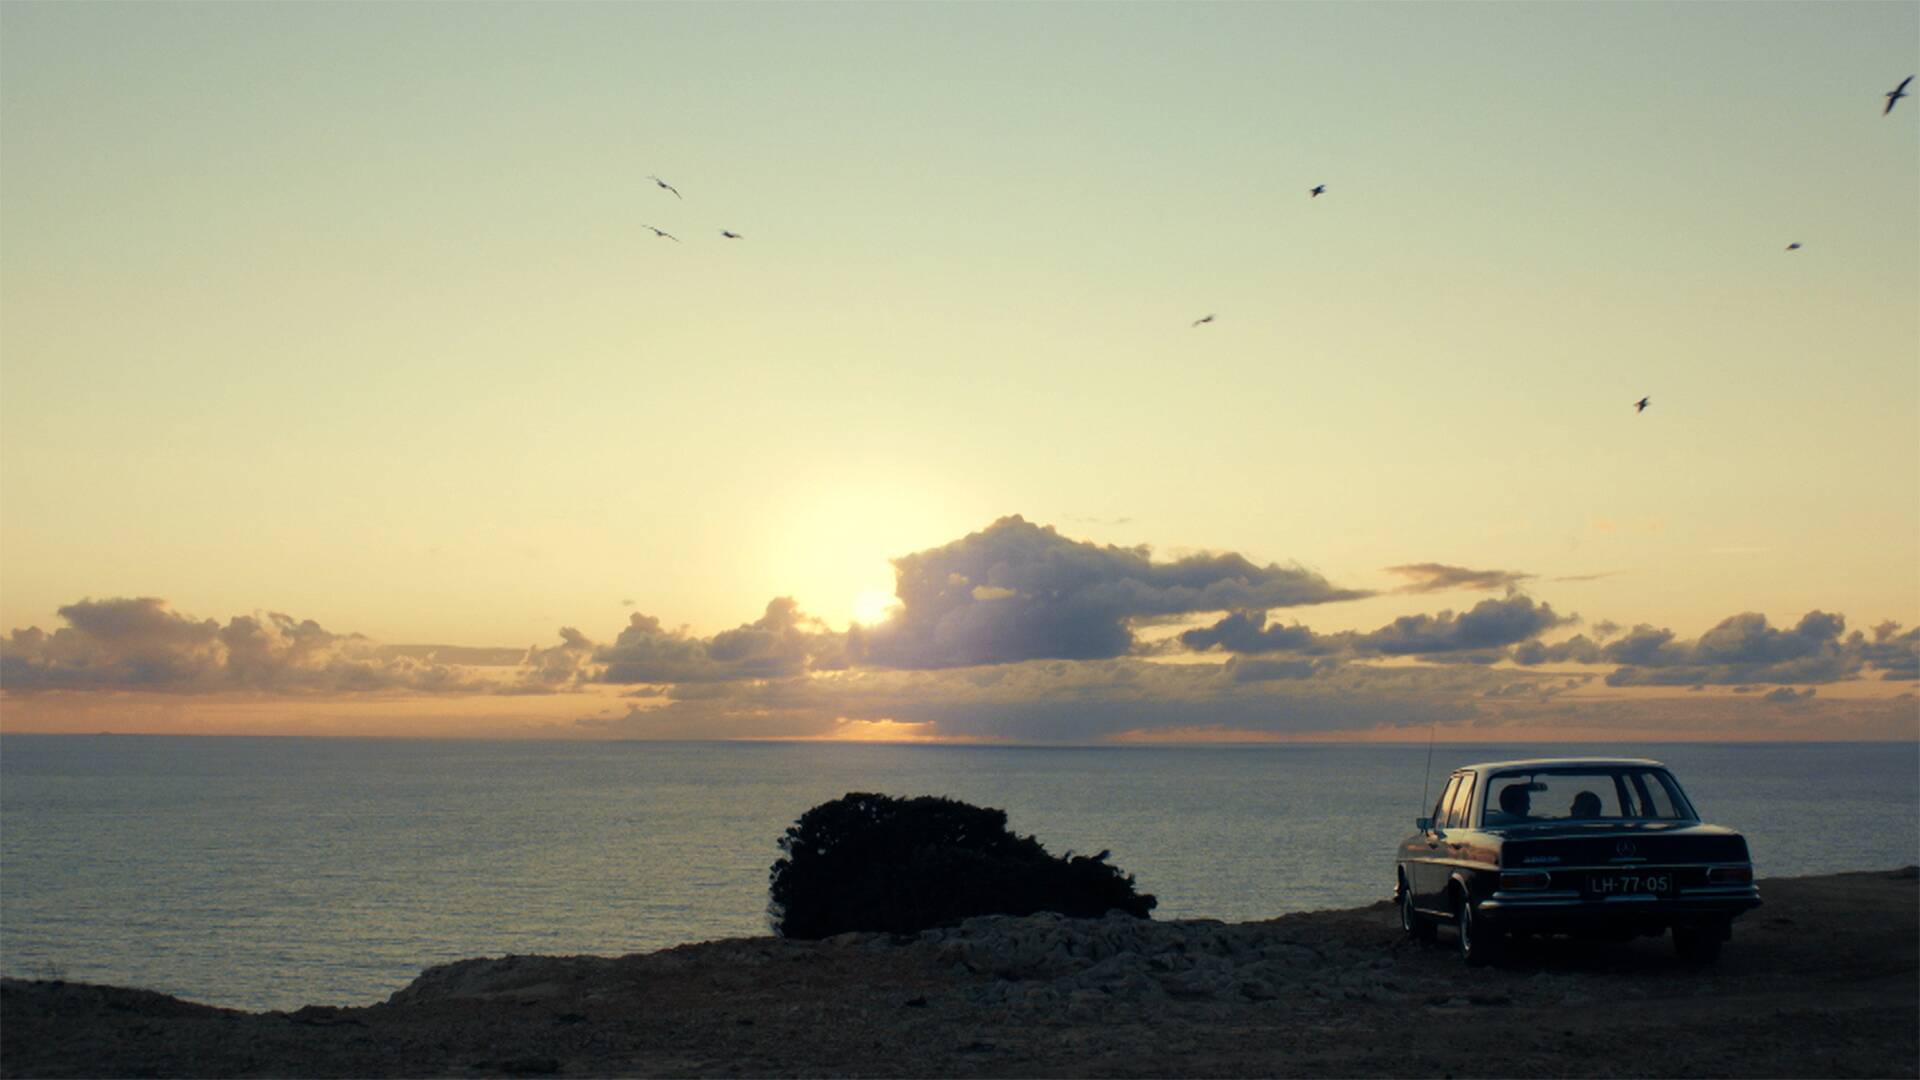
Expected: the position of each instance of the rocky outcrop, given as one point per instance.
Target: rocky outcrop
(1041, 960)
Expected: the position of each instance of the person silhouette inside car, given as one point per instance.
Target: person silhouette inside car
(1515, 803)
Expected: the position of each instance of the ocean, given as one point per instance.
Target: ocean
(270, 873)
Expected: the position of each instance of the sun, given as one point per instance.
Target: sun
(874, 606)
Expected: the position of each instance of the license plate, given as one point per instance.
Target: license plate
(1630, 884)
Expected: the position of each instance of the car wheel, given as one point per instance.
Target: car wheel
(1698, 944)
(1477, 943)
(1417, 926)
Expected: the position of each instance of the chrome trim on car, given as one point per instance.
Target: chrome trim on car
(1503, 902)
(1528, 903)
(1505, 896)
(1652, 866)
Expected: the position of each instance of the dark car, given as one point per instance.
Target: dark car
(1608, 847)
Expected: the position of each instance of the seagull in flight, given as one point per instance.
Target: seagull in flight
(729, 235)
(1208, 319)
(662, 232)
(1641, 405)
(664, 184)
(1316, 191)
(1896, 94)
(1795, 246)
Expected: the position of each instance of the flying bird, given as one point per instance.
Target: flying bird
(1896, 94)
(1316, 191)
(1795, 246)
(1208, 319)
(1641, 405)
(662, 232)
(730, 235)
(664, 184)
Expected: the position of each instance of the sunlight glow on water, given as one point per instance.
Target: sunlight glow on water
(273, 873)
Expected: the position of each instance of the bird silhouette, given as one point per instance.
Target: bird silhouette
(1207, 319)
(662, 232)
(1316, 191)
(1641, 405)
(664, 184)
(1896, 94)
(730, 235)
(1795, 246)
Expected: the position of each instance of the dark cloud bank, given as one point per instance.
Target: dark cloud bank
(1013, 631)
(142, 644)
(1740, 650)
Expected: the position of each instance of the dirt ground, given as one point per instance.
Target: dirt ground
(1824, 980)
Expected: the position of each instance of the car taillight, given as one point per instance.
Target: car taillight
(1729, 875)
(1524, 879)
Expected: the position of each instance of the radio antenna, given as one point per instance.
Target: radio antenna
(1426, 777)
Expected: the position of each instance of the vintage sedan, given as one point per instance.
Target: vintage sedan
(1608, 847)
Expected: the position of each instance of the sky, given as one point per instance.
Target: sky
(345, 386)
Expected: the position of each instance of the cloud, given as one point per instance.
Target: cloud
(1491, 624)
(1248, 632)
(569, 663)
(1063, 701)
(1016, 591)
(1480, 635)
(142, 644)
(1439, 577)
(1742, 648)
(1242, 670)
(1740, 651)
(463, 655)
(1787, 695)
(1017, 633)
(1893, 652)
(780, 644)
(1578, 649)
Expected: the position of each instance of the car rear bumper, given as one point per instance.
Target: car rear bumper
(1572, 911)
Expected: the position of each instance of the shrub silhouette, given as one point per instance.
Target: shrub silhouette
(873, 862)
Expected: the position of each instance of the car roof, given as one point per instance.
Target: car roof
(1555, 762)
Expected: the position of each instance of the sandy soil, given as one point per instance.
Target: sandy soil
(1822, 981)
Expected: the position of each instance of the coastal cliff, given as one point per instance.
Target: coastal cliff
(1822, 981)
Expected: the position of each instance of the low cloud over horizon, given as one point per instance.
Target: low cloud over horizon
(1013, 632)
(1439, 577)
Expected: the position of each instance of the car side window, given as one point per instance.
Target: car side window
(1446, 800)
(1459, 806)
(1628, 808)
(1655, 800)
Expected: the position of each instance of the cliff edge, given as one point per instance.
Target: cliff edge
(1822, 981)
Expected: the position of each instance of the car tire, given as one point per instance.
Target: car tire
(1416, 925)
(1698, 944)
(1478, 943)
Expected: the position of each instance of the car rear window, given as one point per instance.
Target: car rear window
(1521, 796)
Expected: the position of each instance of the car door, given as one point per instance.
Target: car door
(1462, 842)
(1429, 874)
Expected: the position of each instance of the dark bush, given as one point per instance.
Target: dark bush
(873, 862)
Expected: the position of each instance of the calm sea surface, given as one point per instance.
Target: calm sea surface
(273, 873)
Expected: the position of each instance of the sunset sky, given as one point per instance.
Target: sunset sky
(344, 386)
